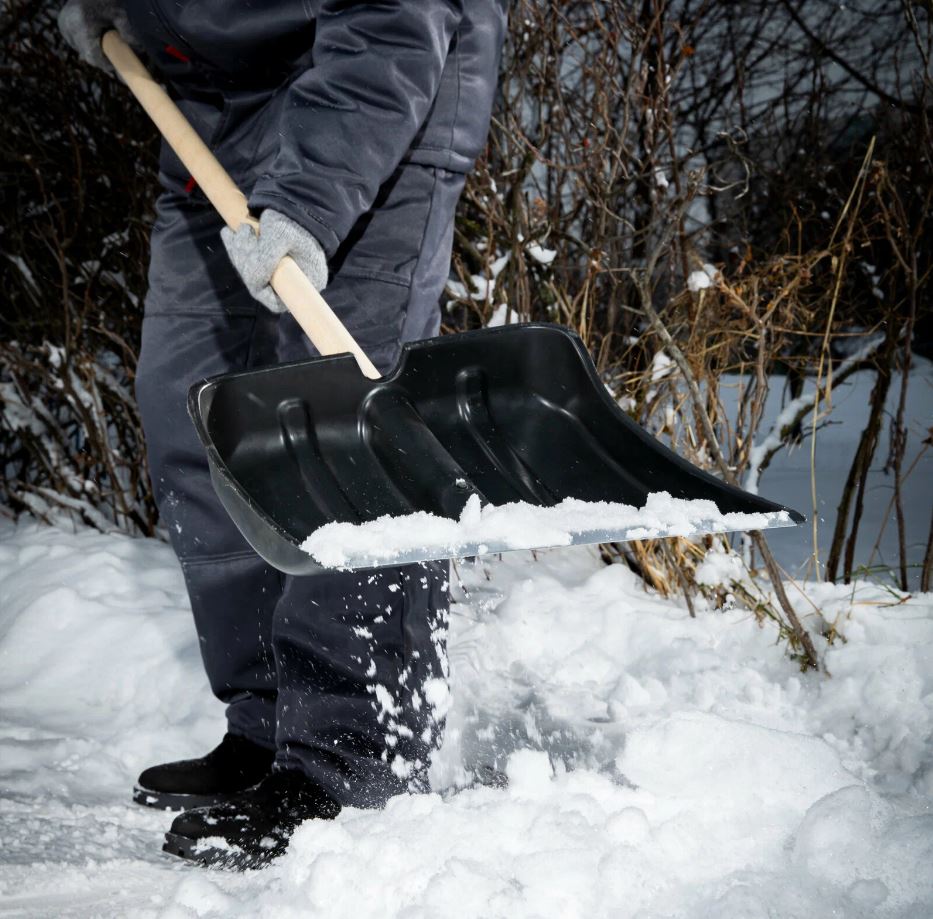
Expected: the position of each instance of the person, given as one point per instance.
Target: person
(351, 126)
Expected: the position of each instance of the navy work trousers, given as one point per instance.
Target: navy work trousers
(344, 674)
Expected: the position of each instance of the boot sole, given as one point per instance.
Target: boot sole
(201, 852)
(173, 801)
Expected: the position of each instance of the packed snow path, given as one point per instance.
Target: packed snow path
(658, 765)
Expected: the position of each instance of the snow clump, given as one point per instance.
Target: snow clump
(703, 278)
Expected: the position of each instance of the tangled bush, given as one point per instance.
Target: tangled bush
(78, 164)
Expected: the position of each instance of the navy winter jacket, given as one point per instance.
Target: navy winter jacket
(346, 90)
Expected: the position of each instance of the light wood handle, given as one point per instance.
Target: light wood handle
(309, 308)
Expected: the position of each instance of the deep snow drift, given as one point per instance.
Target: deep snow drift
(658, 765)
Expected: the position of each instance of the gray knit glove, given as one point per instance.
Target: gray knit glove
(256, 257)
(83, 23)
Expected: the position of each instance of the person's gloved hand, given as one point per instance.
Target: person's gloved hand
(256, 257)
(83, 23)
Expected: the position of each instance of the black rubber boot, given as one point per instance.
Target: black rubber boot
(251, 828)
(233, 766)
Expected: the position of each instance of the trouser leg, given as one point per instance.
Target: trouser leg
(361, 656)
(362, 677)
(199, 321)
(357, 693)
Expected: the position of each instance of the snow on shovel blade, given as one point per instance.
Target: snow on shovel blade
(503, 528)
(476, 441)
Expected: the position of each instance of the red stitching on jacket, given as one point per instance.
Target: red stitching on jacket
(178, 55)
(190, 185)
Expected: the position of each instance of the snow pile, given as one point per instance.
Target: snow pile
(497, 528)
(658, 765)
(566, 844)
(720, 568)
(503, 315)
(540, 254)
(70, 605)
(100, 676)
(703, 278)
(661, 366)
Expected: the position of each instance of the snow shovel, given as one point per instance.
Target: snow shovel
(492, 417)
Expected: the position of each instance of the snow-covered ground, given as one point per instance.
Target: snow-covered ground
(659, 766)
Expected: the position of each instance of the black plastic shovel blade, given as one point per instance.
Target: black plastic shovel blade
(510, 414)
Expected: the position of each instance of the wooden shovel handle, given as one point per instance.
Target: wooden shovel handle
(309, 308)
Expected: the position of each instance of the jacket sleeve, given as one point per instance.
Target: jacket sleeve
(347, 122)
